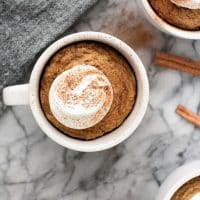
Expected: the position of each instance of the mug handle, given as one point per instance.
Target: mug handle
(16, 95)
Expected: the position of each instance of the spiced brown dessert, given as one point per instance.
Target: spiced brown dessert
(189, 191)
(184, 14)
(87, 90)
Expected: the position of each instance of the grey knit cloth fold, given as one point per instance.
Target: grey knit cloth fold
(26, 28)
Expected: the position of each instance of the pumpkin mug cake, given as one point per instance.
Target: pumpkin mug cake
(87, 89)
(182, 184)
(189, 191)
(184, 14)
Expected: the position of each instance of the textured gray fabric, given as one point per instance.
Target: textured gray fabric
(26, 28)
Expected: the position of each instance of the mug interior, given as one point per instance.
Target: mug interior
(161, 24)
(129, 125)
(177, 179)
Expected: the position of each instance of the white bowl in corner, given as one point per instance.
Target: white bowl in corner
(162, 25)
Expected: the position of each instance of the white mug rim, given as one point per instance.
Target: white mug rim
(177, 179)
(164, 26)
(96, 144)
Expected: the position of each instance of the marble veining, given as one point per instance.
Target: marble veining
(34, 167)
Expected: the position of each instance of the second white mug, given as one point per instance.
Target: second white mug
(177, 179)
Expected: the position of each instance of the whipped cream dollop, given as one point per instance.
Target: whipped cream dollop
(191, 4)
(80, 97)
(196, 197)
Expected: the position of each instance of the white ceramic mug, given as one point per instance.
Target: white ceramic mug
(178, 178)
(161, 24)
(29, 94)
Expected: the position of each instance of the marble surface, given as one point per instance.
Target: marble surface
(34, 167)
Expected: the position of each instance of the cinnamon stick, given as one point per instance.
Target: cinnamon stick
(188, 115)
(178, 63)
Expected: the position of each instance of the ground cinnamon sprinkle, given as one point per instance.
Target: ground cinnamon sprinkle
(126, 26)
(184, 18)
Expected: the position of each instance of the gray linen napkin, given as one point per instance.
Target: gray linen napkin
(26, 28)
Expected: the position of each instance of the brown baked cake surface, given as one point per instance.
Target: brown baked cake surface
(188, 190)
(184, 18)
(112, 64)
